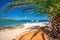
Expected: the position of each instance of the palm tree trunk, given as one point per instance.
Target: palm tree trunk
(55, 23)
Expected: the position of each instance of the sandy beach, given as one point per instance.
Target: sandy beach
(10, 34)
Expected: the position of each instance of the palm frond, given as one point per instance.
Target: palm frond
(53, 6)
(26, 9)
(15, 5)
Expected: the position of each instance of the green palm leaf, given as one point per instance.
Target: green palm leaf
(53, 6)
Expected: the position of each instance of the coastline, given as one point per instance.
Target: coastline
(12, 33)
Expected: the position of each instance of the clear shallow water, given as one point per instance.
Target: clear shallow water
(14, 23)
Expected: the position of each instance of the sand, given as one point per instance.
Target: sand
(10, 34)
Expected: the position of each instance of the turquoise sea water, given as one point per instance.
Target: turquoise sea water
(14, 23)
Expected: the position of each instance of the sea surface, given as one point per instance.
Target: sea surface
(14, 23)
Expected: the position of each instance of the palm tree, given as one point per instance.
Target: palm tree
(50, 7)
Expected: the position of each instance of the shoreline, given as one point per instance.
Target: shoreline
(14, 26)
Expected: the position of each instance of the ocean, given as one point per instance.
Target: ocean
(14, 23)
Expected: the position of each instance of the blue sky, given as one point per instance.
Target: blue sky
(16, 13)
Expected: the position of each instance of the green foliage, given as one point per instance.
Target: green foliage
(50, 7)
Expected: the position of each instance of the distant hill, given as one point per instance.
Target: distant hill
(6, 19)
